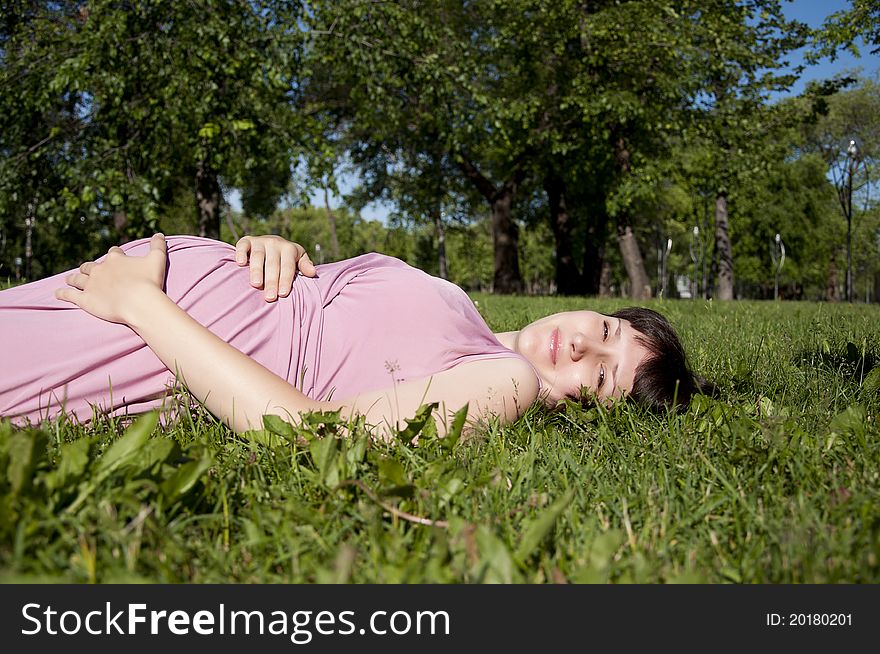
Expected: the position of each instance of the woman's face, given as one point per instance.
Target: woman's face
(582, 352)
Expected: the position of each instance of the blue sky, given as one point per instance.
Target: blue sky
(811, 12)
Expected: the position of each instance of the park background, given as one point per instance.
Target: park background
(517, 146)
(510, 146)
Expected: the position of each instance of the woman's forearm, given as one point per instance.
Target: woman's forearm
(232, 386)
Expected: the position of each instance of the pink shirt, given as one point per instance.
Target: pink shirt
(363, 324)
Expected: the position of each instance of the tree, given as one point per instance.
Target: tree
(155, 92)
(846, 117)
(844, 28)
(740, 49)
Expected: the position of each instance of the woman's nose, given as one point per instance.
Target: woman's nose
(579, 346)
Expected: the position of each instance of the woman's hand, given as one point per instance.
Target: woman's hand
(274, 262)
(111, 289)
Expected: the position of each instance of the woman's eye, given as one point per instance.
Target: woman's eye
(605, 332)
(601, 376)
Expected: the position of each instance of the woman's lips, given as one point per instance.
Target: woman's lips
(554, 345)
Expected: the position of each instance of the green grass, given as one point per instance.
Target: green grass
(776, 481)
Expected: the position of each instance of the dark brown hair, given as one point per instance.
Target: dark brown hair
(663, 380)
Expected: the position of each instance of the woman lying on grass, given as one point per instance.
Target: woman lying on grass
(369, 335)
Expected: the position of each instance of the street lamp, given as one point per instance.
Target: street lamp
(697, 252)
(843, 181)
(778, 256)
(662, 259)
(852, 159)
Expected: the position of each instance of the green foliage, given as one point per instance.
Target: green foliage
(107, 111)
(843, 29)
(774, 481)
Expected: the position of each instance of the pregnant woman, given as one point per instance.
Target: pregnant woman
(369, 335)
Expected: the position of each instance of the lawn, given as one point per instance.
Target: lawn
(777, 480)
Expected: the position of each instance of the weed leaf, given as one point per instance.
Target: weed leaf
(185, 477)
(127, 445)
(276, 425)
(454, 433)
(74, 461)
(323, 451)
(24, 451)
(541, 526)
(871, 383)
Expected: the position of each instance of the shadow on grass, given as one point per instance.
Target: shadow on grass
(848, 361)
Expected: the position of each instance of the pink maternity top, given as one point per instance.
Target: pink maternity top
(362, 324)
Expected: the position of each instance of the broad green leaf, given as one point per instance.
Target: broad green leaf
(849, 421)
(155, 451)
(454, 433)
(495, 558)
(185, 477)
(871, 383)
(355, 454)
(25, 449)
(415, 424)
(278, 426)
(540, 526)
(74, 459)
(127, 445)
(323, 452)
(264, 437)
(391, 473)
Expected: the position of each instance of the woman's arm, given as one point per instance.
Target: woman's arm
(239, 391)
(234, 387)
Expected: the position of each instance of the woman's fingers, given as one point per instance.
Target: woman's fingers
(86, 268)
(306, 267)
(77, 280)
(69, 295)
(273, 263)
(116, 250)
(272, 272)
(258, 259)
(242, 249)
(288, 273)
(157, 244)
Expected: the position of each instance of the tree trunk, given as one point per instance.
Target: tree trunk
(505, 237)
(722, 247)
(120, 223)
(595, 238)
(331, 218)
(640, 284)
(441, 244)
(208, 201)
(505, 234)
(832, 286)
(605, 278)
(568, 279)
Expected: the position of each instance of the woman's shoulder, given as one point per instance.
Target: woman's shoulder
(507, 375)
